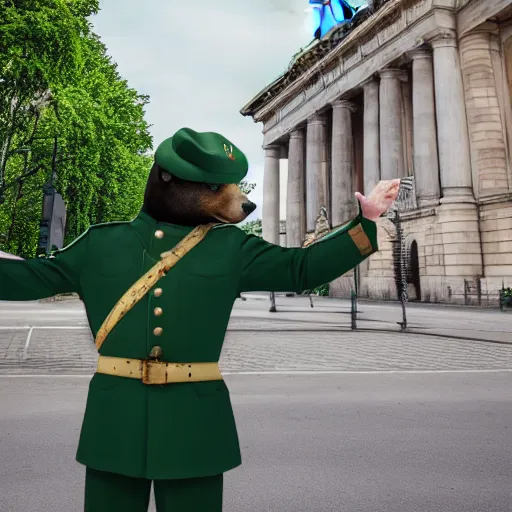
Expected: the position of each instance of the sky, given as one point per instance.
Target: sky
(202, 61)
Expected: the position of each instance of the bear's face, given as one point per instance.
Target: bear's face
(175, 201)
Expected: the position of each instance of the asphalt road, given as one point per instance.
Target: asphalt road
(327, 443)
(329, 419)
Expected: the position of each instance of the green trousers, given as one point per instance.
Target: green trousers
(108, 492)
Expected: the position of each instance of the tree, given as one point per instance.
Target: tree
(253, 227)
(64, 108)
(247, 187)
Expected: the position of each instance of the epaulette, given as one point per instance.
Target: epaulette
(85, 233)
(52, 254)
(220, 226)
(108, 224)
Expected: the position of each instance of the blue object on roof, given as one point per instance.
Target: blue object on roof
(326, 14)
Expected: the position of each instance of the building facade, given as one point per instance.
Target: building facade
(418, 87)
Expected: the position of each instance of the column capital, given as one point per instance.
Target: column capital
(485, 30)
(272, 150)
(370, 82)
(445, 38)
(317, 119)
(391, 73)
(297, 133)
(477, 37)
(421, 53)
(342, 104)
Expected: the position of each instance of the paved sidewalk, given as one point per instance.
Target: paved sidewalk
(433, 319)
(55, 338)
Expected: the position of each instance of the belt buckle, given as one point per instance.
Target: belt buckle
(154, 372)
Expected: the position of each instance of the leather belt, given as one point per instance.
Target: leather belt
(158, 372)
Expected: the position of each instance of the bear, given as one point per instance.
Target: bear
(158, 291)
(172, 200)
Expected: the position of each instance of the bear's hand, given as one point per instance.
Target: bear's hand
(379, 201)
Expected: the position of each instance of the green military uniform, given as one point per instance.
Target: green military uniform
(183, 430)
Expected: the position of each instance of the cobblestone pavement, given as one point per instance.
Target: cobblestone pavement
(54, 338)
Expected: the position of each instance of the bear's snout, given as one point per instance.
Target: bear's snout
(248, 207)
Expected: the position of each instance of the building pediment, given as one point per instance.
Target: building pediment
(331, 68)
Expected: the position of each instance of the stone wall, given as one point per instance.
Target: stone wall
(378, 282)
(496, 228)
(444, 277)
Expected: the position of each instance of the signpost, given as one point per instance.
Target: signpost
(53, 222)
(399, 251)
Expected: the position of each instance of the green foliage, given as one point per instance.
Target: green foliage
(321, 291)
(253, 227)
(506, 296)
(56, 80)
(247, 187)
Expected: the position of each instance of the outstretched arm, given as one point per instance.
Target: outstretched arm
(24, 280)
(268, 267)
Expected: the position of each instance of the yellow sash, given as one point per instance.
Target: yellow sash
(149, 279)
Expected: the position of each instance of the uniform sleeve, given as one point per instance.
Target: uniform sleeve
(39, 278)
(268, 267)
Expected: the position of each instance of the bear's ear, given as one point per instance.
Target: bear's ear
(165, 176)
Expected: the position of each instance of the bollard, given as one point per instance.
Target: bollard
(353, 311)
(272, 303)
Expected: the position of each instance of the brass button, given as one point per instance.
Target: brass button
(159, 234)
(158, 331)
(156, 353)
(158, 311)
(158, 292)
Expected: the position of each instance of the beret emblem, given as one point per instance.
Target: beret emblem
(229, 152)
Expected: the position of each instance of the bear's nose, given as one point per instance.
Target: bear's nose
(248, 207)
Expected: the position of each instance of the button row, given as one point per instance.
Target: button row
(158, 311)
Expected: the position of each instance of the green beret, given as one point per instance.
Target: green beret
(206, 157)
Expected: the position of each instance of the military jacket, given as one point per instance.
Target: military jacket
(175, 430)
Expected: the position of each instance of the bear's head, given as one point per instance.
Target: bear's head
(174, 200)
(193, 180)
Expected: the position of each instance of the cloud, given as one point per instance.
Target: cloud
(201, 62)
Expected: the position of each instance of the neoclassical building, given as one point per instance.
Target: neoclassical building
(422, 88)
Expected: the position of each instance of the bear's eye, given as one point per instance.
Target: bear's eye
(213, 186)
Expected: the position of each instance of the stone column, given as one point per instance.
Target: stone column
(407, 122)
(458, 242)
(452, 128)
(483, 80)
(499, 56)
(342, 163)
(316, 169)
(371, 144)
(426, 160)
(295, 204)
(392, 163)
(270, 213)
(485, 123)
